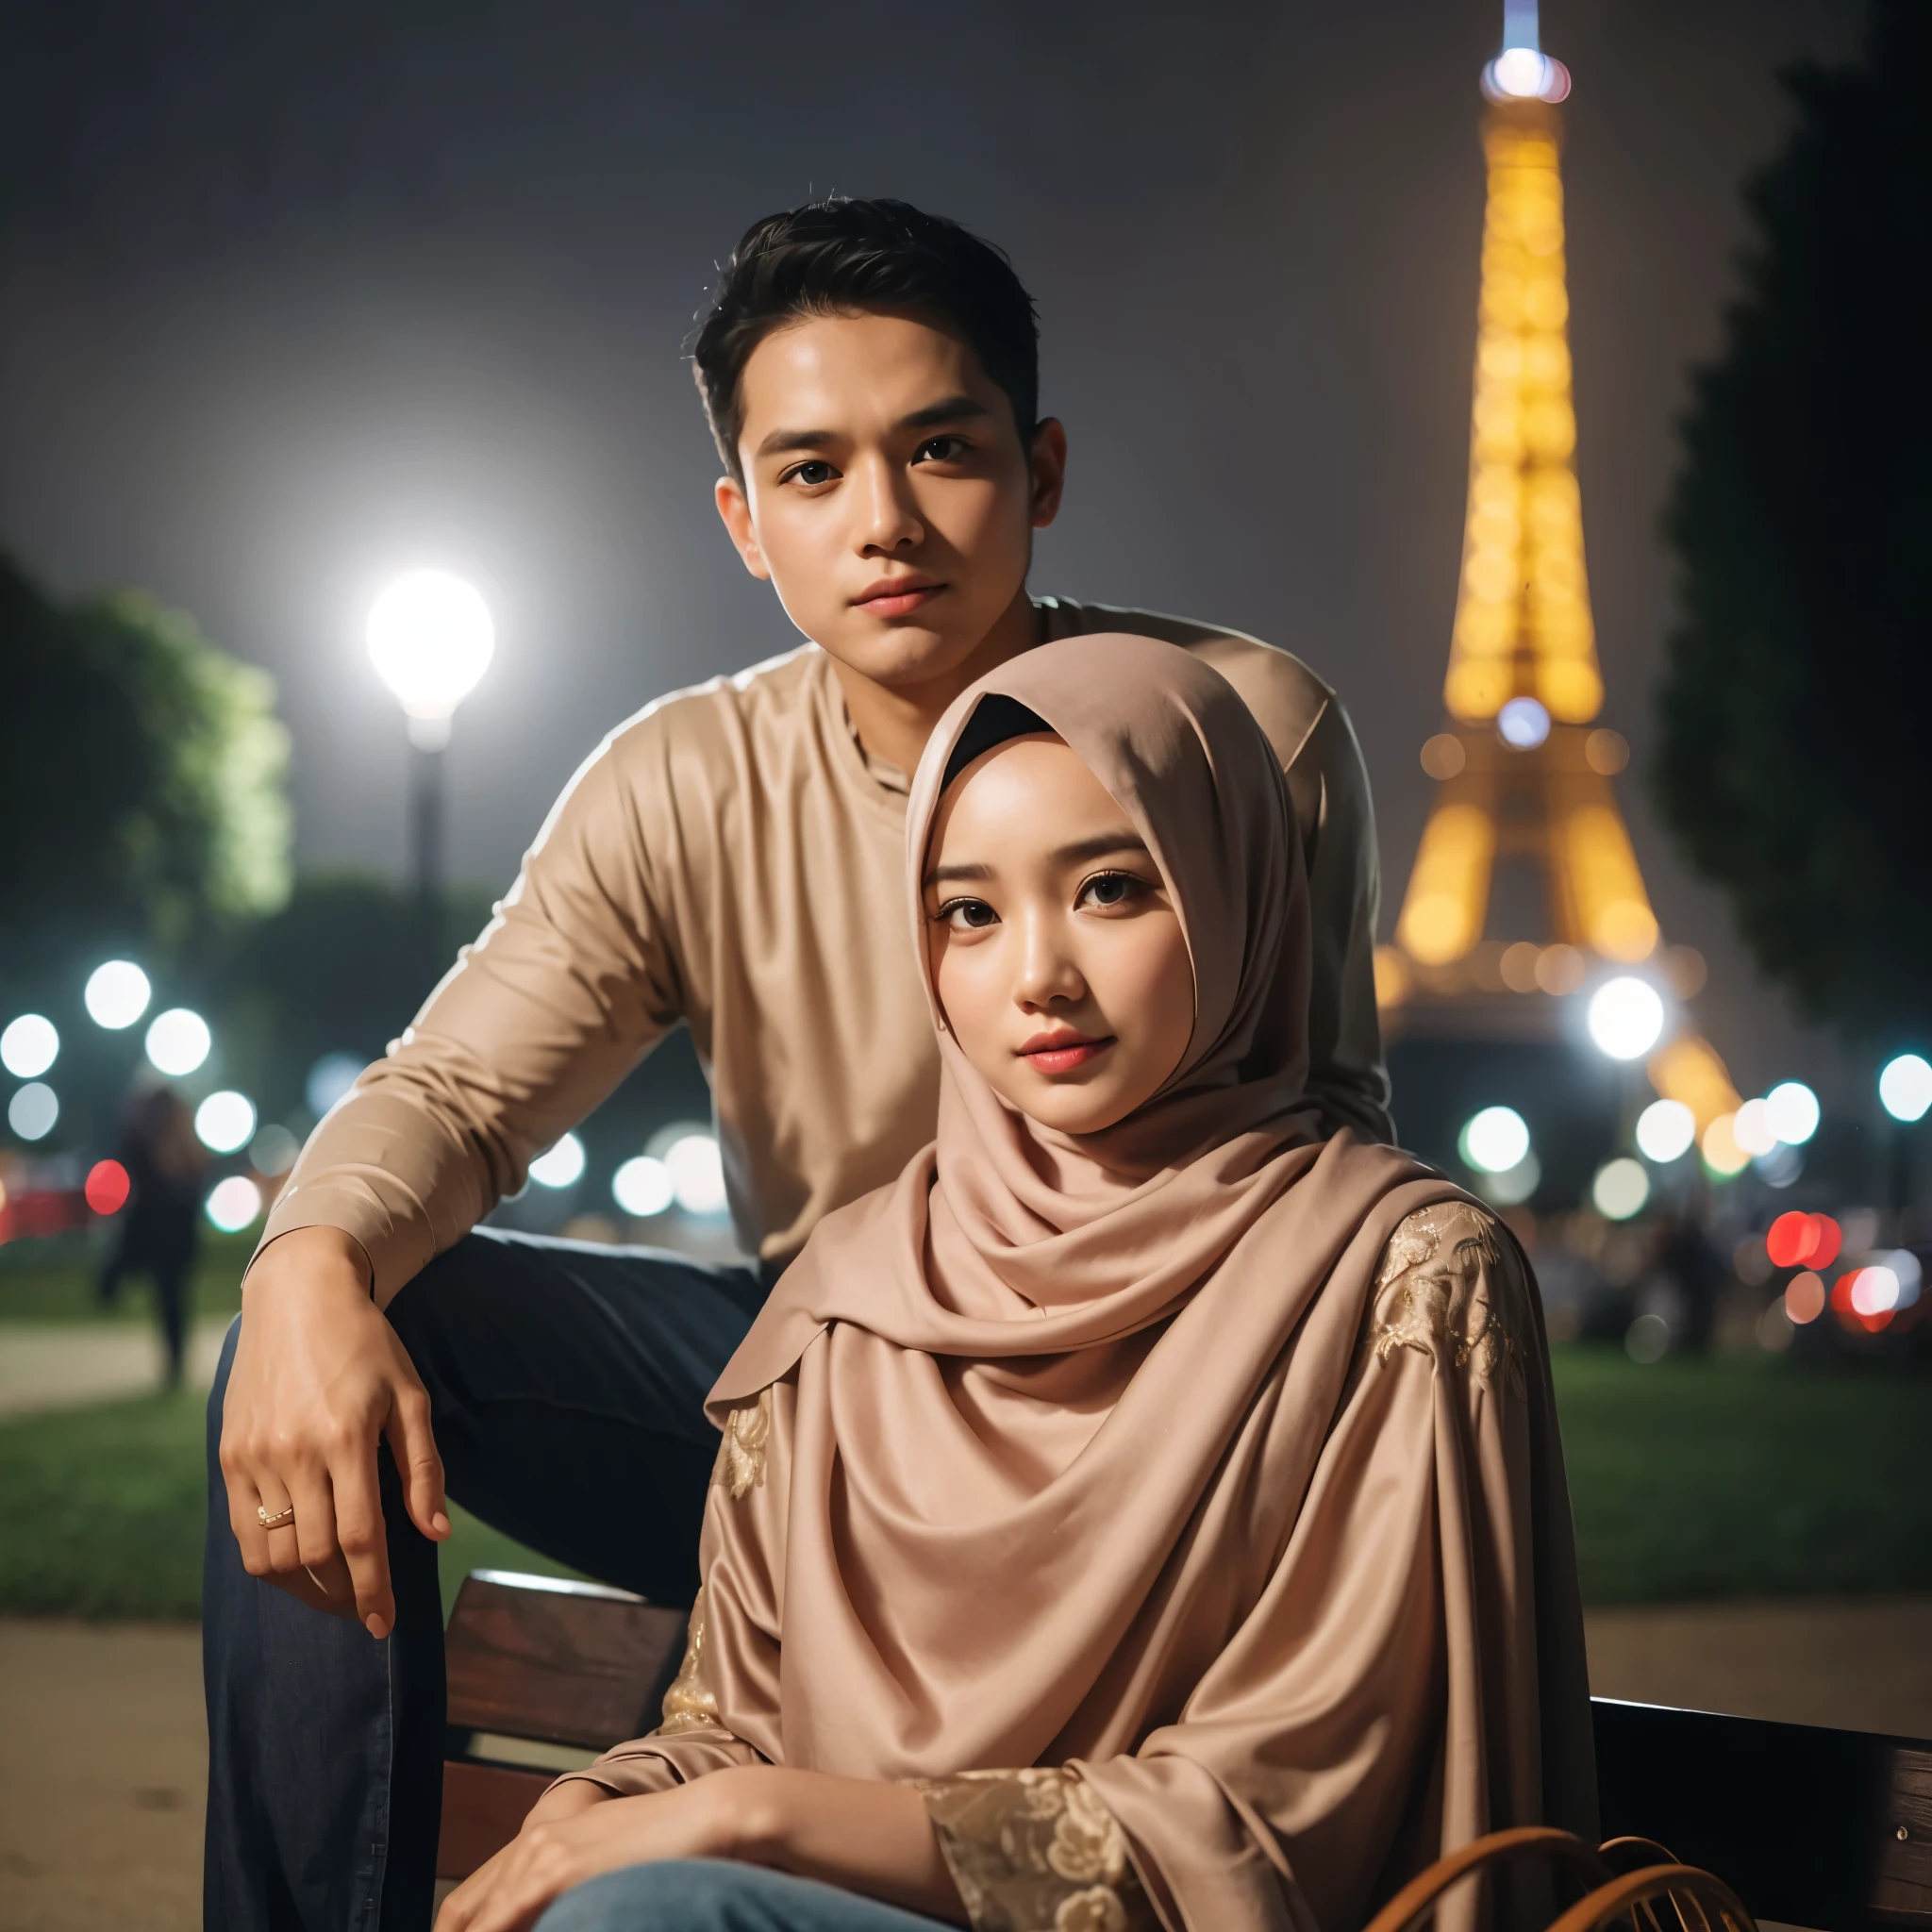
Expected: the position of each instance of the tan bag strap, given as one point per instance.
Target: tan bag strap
(1417, 1899)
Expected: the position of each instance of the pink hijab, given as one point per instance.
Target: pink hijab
(1082, 1452)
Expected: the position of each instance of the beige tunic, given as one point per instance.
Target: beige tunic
(731, 858)
(1388, 1656)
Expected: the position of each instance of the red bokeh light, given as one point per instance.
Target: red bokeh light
(1831, 1238)
(107, 1187)
(1791, 1238)
(1845, 1308)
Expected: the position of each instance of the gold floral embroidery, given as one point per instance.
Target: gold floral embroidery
(690, 1703)
(742, 1454)
(1036, 1851)
(1442, 1275)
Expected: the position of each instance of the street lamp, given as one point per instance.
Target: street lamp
(430, 639)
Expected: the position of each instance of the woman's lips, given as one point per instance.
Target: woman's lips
(1063, 1055)
(887, 600)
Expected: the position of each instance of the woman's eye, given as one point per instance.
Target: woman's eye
(810, 474)
(940, 449)
(968, 915)
(1110, 889)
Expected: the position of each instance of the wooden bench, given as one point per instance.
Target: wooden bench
(1812, 1828)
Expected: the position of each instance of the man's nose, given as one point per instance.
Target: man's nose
(889, 518)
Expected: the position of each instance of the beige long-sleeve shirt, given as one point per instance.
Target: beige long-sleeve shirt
(731, 858)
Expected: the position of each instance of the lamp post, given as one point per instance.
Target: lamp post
(430, 639)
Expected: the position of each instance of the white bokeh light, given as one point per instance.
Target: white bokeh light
(560, 1166)
(328, 1079)
(1753, 1130)
(1665, 1131)
(1620, 1188)
(1905, 1087)
(432, 638)
(273, 1150)
(29, 1046)
(1522, 724)
(697, 1173)
(224, 1120)
(178, 1042)
(1495, 1139)
(1626, 1017)
(1792, 1109)
(642, 1187)
(117, 994)
(234, 1203)
(33, 1110)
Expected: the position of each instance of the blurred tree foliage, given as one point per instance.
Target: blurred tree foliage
(1796, 708)
(142, 797)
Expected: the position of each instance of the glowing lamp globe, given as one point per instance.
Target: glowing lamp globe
(431, 639)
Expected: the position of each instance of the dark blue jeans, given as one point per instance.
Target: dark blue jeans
(567, 1384)
(712, 1895)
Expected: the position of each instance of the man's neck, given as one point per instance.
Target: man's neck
(894, 721)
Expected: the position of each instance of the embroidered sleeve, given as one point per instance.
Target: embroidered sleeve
(691, 1703)
(1036, 1851)
(1448, 1287)
(740, 1467)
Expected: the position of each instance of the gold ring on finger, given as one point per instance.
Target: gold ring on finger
(278, 1519)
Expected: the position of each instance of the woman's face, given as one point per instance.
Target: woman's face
(1056, 947)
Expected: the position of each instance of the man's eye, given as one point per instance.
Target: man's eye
(1110, 889)
(968, 915)
(941, 449)
(809, 474)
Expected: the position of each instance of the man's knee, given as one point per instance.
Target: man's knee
(674, 1895)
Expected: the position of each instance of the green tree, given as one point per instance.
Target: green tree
(141, 799)
(1797, 701)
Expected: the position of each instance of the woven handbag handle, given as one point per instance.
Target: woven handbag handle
(1417, 1899)
(1695, 1895)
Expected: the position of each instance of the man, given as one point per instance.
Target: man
(730, 857)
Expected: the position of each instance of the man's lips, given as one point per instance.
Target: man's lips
(1060, 1053)
(897, 596)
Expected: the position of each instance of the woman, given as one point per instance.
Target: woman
(1140, 1512)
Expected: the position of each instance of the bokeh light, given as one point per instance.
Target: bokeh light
(224, 1120)
(1792, 1109)
(1905, 1087)
(697, 1173)
(1804, 1297)
(1620, 1188)
(1665, 1131)
(1495, 1140)
(107, 1187)
(234, 1203)
(177, 1042)
(432, 638)
(273, 1150)
(33, 1110)
(1522, 724)
(1626, 1017)
(1791, 1240)
(116, 995)
(1751, 1128)
(1722, 1153)
(328, 1079)
(641, 1187)
(1514, 1185)
(29, 1046)
(1647, 1338)
(560, 1166)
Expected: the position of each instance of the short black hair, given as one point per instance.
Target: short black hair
(840, 255)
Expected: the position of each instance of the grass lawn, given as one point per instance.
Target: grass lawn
(1688, 1479)
(52, 1281)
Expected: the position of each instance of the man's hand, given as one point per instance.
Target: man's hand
(319, 1378)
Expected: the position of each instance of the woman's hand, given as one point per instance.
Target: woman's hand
(577, 1831)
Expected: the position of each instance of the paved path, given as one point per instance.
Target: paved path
(61, 1366)
(104, 1756)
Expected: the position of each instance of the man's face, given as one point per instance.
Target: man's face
(887, 496)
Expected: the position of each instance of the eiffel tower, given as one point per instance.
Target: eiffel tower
(1524, 770)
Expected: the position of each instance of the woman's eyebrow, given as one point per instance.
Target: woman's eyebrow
(1103, 845)
(940, 874)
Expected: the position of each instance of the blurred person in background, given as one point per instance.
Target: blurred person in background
(159, 1229)
(1689, 1262)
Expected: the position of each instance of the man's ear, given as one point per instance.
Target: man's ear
(734, 509)
(1049, 470)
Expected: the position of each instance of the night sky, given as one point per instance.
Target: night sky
(293, 296)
